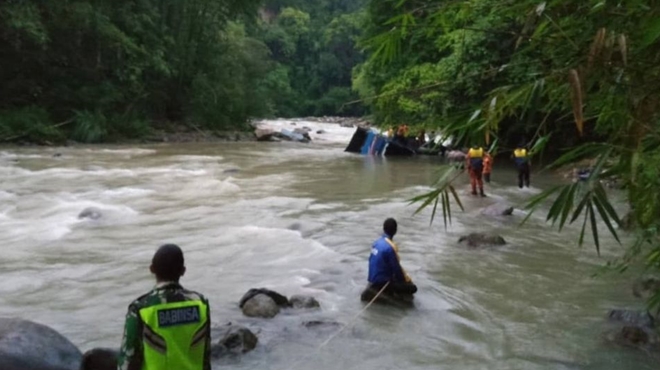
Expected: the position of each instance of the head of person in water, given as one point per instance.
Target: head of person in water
(167, 264)
(389, 227)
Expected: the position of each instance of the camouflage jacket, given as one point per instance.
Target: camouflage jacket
(131, 352)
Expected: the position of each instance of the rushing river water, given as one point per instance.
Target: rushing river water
(300, 219)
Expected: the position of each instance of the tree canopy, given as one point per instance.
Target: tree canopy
(94, 70)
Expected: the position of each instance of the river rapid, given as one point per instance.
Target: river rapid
(300, 219)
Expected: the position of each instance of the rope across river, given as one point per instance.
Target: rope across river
(350, 323)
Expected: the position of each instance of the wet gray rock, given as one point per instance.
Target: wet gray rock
(346, 124)
(304, 302)
(319, 132)
(476, 240)
(28, 345)
(305, 128)
(321, 325)
(260, 305)
(236, 340)
(634, 336)
(90, 213)
(100, 359)
(264, 134)
(646, 287)
(279, 299)
(498, 210)
(632, 317)
(231, 171)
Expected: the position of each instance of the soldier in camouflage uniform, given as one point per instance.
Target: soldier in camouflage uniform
(169, 327)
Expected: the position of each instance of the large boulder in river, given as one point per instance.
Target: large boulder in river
(260, 305)
(236, 339)
(476, 240)
(304, 302)
(27, 345)
(498, 209)
(100, 359)
(91, 213)
(263, 134)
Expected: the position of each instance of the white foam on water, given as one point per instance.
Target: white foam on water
(132, 151)
(333, 132)
(196, 158)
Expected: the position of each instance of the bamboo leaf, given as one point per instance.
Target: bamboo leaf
(557, 205)
(568, 207)
(444, 211)
(448, 208)
(594, 226)
(584, 226)
(651, 33)
(606, 218)
(600, 192)
(579, 208)
(598, 168)
(458, 200)
(533, 203)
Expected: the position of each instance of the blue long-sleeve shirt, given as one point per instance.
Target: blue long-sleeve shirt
(384, 264)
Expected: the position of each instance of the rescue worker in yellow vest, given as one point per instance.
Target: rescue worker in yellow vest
(521, 158)
(169, 327)
(475, 166)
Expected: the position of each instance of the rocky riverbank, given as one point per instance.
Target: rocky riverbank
(181, 133)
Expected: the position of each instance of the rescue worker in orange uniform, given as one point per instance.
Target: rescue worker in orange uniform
(488, 166)
(475, 166)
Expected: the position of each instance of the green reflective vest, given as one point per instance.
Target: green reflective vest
(174, 336)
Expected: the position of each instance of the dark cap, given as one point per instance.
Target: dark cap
(168, 262)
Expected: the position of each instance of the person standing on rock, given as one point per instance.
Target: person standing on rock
(521, 158)
(169, 327)
(475, 166)
(385, 267)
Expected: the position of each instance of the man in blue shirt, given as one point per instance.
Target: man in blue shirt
(385, 267)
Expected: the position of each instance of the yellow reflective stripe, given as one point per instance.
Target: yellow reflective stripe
(520, 153)
(396, 252)
(476, 153)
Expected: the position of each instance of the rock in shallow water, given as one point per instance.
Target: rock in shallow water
(497, 210)
(236, 339)
(100, 359)
(303, 302)
(646, 287)
(475, 240)
(632, 317)
(91, 213)
(261, 305)
(27, 345)
(281, 300)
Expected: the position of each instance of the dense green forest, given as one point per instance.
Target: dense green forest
(99, 70)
